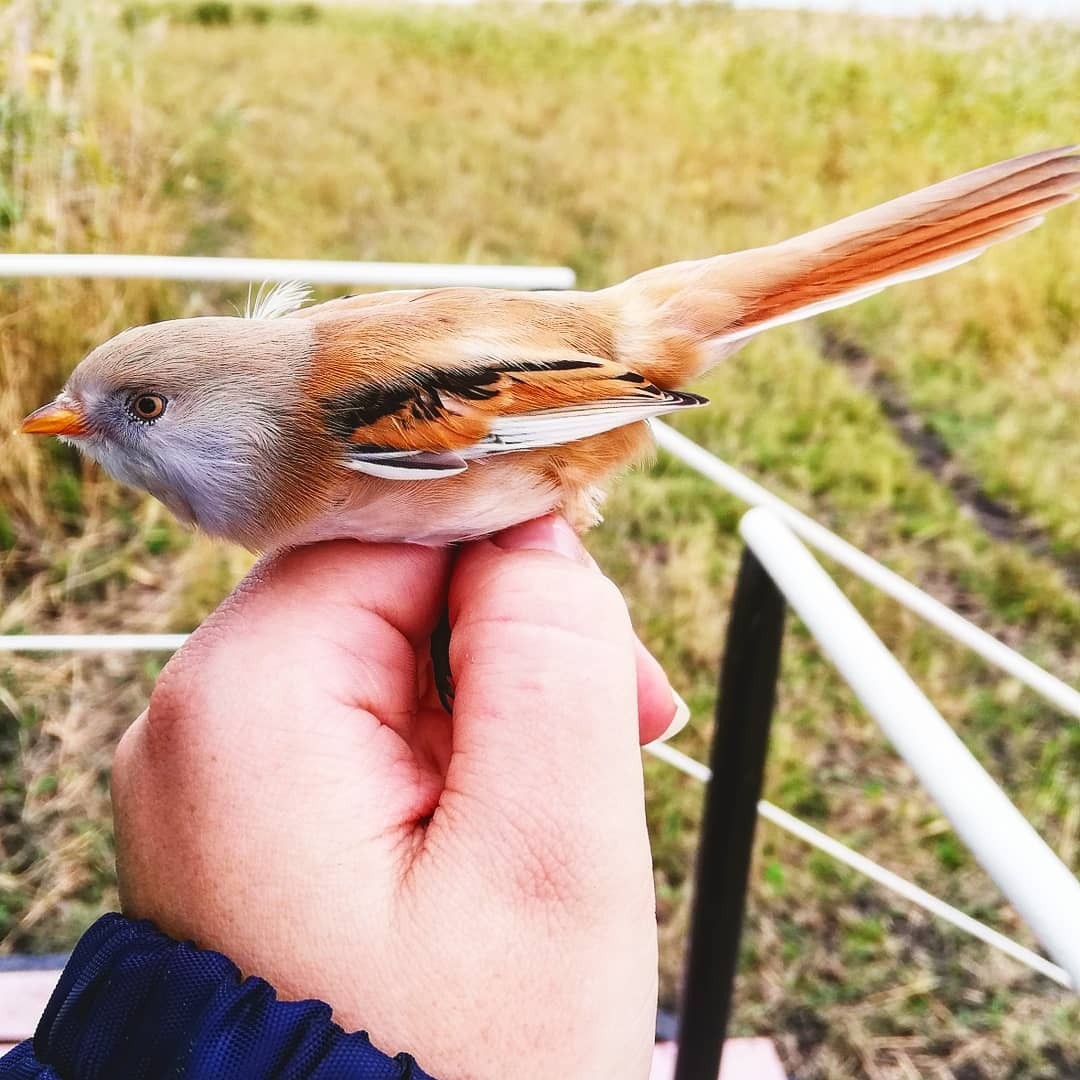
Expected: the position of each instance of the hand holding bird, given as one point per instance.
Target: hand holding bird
(476, 888)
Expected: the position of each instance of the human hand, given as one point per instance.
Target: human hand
(474, 890)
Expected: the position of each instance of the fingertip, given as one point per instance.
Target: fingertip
(550, 533)
(661, 712)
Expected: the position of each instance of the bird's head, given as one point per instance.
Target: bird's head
(194, 411)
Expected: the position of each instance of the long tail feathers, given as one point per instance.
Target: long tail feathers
(721, 301)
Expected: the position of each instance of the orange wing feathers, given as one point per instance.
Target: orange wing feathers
(463, 374)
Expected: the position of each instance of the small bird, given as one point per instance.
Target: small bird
(438, 416)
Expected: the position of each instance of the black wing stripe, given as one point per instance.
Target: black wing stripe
(420, 392)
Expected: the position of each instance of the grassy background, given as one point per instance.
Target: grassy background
(609, 139)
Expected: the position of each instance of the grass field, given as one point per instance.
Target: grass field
(609, 139)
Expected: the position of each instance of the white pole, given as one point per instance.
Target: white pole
(312, 271)
(91, 642)
(1042, 888)
(911, 596)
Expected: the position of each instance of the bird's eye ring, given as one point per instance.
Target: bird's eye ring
(146, 407)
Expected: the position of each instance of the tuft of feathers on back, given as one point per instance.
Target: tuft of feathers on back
(274, 301)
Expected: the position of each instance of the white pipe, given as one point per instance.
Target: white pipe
(312, 271)
(1038, 883)
(911, 596)
(875, 872)
(91, 642)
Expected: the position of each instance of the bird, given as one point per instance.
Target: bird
(439, 416)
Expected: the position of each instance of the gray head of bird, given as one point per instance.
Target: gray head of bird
(194, 411)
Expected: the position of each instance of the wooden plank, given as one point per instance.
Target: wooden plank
(23, 996)
(744, 1059)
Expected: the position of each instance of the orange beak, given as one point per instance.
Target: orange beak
(56, 418)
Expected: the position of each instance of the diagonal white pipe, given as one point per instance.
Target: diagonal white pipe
(858, 562)
(1035, 880)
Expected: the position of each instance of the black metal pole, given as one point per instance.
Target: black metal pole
(737, 759)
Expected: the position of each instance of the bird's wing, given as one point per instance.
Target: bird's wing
(430, 422)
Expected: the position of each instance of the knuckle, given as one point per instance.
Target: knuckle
(577, 881)
(550, 863)
(126, 755)
(171, 705)
(545, 872)
(548, 879)
(167, 696)
(183, 691)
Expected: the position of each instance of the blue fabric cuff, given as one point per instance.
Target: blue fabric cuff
(132, 1004)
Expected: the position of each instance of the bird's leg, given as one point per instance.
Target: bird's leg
(439, 647)
(440, 660)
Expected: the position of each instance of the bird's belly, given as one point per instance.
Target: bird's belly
(491, 495)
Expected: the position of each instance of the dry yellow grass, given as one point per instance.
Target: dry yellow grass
(611, 139)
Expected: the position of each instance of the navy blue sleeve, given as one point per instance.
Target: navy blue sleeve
(132, 1004)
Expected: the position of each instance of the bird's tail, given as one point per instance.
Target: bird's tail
(686, 316)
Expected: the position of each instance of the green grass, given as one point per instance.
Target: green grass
(609, 139)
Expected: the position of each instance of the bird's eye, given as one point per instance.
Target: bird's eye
(146, 407)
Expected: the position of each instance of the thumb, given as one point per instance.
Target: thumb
(545, 742)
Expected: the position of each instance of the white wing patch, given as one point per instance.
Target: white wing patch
(407, 464)
(511, 434)
(553, 427)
